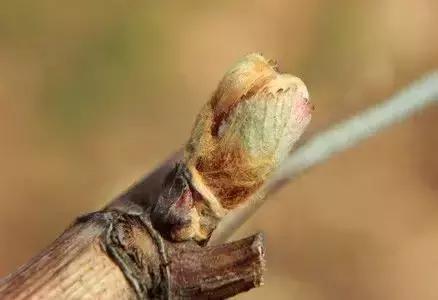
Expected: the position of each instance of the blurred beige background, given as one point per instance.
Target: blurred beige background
(93, 94)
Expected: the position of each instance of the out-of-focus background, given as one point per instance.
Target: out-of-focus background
(94, 94)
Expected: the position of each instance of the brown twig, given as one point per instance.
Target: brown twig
(109, 255)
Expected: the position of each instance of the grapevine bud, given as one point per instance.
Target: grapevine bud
(239, 138)
(247, 128)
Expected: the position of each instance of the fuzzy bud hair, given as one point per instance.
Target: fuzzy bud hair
(247, 128)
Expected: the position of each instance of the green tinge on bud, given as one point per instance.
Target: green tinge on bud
(246, 130)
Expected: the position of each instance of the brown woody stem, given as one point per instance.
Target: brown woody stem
(119, 256)
(220, 271)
